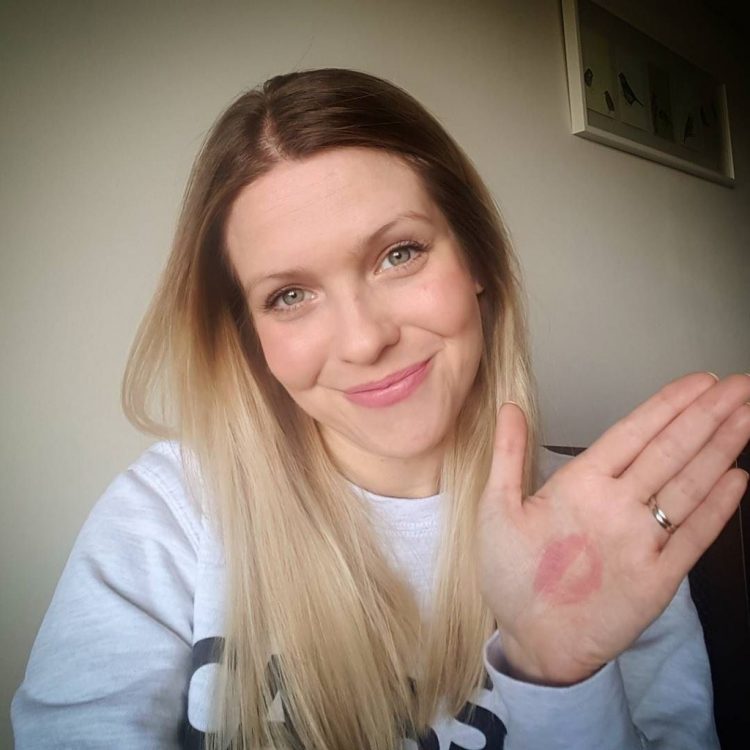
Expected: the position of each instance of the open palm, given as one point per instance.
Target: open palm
(575, 572)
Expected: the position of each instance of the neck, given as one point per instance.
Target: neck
(404, 477)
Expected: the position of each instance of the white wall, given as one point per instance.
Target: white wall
(636, 273)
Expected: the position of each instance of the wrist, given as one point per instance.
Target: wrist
(520, 665)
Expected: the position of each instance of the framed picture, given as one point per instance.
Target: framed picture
(629, 91)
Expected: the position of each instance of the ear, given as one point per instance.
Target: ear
(478, 288)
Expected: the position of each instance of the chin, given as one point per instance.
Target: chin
(406, 444)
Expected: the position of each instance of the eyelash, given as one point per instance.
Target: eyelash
(269, 304)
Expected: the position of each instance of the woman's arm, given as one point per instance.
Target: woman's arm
(668, 679)
(657, 694)
(109, 666)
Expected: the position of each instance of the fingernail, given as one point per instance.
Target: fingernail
(508, 401)
(746, 474)
(713, 375)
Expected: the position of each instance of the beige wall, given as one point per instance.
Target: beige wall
(636, 273)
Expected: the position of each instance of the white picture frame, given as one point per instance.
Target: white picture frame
(662, 108)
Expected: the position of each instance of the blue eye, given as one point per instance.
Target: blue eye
(289, 297)
(403, 254)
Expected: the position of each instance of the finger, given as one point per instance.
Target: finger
(618, 447)
(702, 526)
(508, 454)
(682, 440)
(682, 494)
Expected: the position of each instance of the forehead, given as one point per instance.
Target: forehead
(327, 196)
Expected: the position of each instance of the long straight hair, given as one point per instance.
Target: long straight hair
(354, 661)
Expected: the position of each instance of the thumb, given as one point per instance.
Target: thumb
(508, 454)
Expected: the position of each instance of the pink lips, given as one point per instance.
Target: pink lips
(392, 389)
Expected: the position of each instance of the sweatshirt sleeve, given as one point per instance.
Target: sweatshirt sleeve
(657, 694)
(110, 664)
(590, 715)
(667, 680)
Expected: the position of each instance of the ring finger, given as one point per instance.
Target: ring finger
(687, 489)
(667, 454)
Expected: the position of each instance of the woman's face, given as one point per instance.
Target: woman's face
(352, 276)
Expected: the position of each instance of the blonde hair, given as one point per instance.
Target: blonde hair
(306, 580)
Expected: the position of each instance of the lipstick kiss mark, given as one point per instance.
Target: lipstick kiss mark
(570, 570)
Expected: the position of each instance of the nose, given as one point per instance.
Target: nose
(363, 328)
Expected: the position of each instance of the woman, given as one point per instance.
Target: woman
(347, 543)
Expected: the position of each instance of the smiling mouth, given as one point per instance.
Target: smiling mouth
(387, 381)
(390, 390)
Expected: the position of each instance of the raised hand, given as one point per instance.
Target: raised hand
(575, 572)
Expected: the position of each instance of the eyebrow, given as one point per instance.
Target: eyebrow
(365, 242)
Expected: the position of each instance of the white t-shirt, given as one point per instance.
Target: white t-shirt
(126, 654)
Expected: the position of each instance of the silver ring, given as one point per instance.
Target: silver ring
(661, 517)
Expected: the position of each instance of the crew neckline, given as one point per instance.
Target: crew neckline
(412, 514)
(376, 496)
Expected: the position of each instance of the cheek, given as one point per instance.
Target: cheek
(450, 306)
(294, 359)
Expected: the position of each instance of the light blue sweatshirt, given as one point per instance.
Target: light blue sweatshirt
(125, 656)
